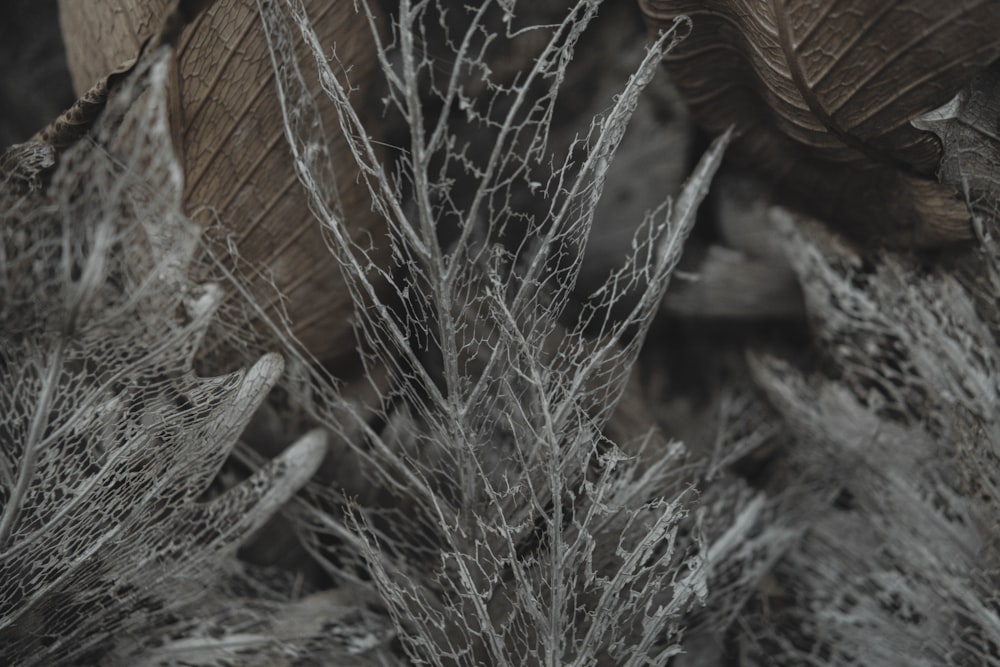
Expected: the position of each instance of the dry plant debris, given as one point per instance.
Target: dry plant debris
(501, 485)
(822, 94)
(226, 123)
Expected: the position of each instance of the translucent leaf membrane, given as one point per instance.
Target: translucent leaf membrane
(480, 512)
(901, 570)
(110, 438)
(259, 617)
(483, 505)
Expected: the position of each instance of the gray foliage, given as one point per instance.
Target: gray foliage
(110, 439)
(902, 572)
(516, 532)
(497, 489)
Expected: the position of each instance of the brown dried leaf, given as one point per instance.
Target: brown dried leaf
(228, 133)
(822, 93)
(27, 165)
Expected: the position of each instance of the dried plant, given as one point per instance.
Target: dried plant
(497, 490)
(967, 126)
(110, 439)
(901, 571)
(497, 522)
(822, 95)
(508, 529)
(226, 129)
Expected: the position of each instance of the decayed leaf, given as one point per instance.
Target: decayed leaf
(823, 94)
(26, 165)
(499, 526)
(902, 418)
(108, 439)
(969, 127)
(227, 127)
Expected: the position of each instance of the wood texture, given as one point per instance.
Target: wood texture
(822, 93)
(228, 134)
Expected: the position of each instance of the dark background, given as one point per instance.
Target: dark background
(34, 82)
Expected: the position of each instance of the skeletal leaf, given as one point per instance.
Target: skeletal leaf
(110, 439)
(499, 525)
(271, 628)
(822, 94)
(227, 127)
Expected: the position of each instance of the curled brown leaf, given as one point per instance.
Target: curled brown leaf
(822, 93)
(228, 132)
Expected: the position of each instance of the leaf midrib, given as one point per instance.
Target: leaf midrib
(798, 76)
